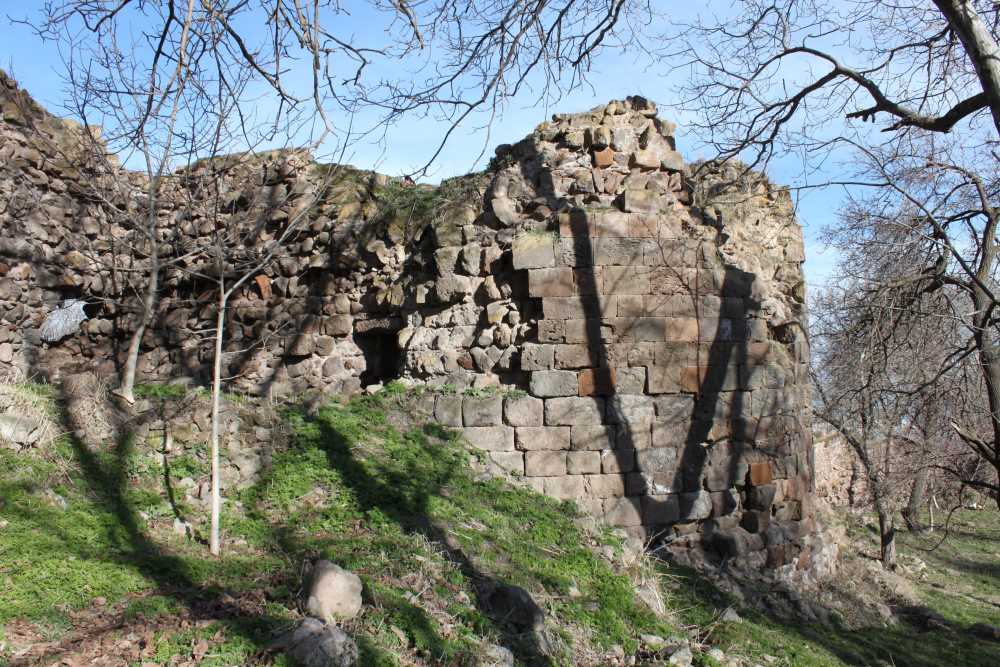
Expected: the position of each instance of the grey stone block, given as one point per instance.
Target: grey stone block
(617, 460)
(592, 436)
(695, 506)
(583, 462)
(553, 383)
(623, 511)
(482, 410)
(660, 510)
(535, 357)
(448, 410)
(566, 487)
(491, 438)
(657, 459)
(533, 438)
(573, 410)
(544, 464)
(523, 411)
(606, 485)
(509, 461)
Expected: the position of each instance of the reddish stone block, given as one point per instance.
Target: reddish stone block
(597, 381)
(604, 158)
(761, 473)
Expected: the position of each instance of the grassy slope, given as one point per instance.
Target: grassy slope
(402, 508)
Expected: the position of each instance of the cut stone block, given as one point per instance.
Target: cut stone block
(574, 410)
(448, 410)
(606, 486)
(634, 436)
(617, 460)
(533, 251)
(575, 356)
(490, 438)
(553, 383)
(657, 459)
(596, 382)
(530, 438)
(583, 462)
(509, 461)
(660, 510)
(544, 464)
(535, 357)
(482, 411)
(523, 411)
(551, 282)
(592, 437)
(695, 506)
(567, 487)
(623, 511)
(626, 280)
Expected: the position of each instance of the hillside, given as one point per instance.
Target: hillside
(102, 562)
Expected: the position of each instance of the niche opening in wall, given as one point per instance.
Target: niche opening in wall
(383, 358)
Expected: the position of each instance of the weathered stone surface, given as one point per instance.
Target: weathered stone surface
(583, 462)
(482, 411)
(623, 511)
(592, 436)
(448, 410)
(573, 411)
(523, 411)
(334, 593)
(578, 269)
(544, 464)
(490, 438)
(531, 438)
(553, 383)
(315, 644)
(534, 251)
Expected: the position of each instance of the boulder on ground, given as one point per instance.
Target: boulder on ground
(314, 643)
(334, 593)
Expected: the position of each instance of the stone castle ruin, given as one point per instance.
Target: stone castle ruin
(606, 323)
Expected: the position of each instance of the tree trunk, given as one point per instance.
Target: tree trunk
(918, 490)
(126, 388)
(887, 535)
(220, 321)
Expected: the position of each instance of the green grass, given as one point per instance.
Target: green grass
(400, 507)
(963, 595)
(403, 508)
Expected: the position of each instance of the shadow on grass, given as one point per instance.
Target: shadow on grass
(105, 477)
(798, 643)
(400, 488)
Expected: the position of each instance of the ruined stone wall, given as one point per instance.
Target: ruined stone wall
(610, 325)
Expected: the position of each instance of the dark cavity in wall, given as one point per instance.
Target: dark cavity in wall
(383, 358)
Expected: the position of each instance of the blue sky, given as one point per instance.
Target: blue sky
(408, 145)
